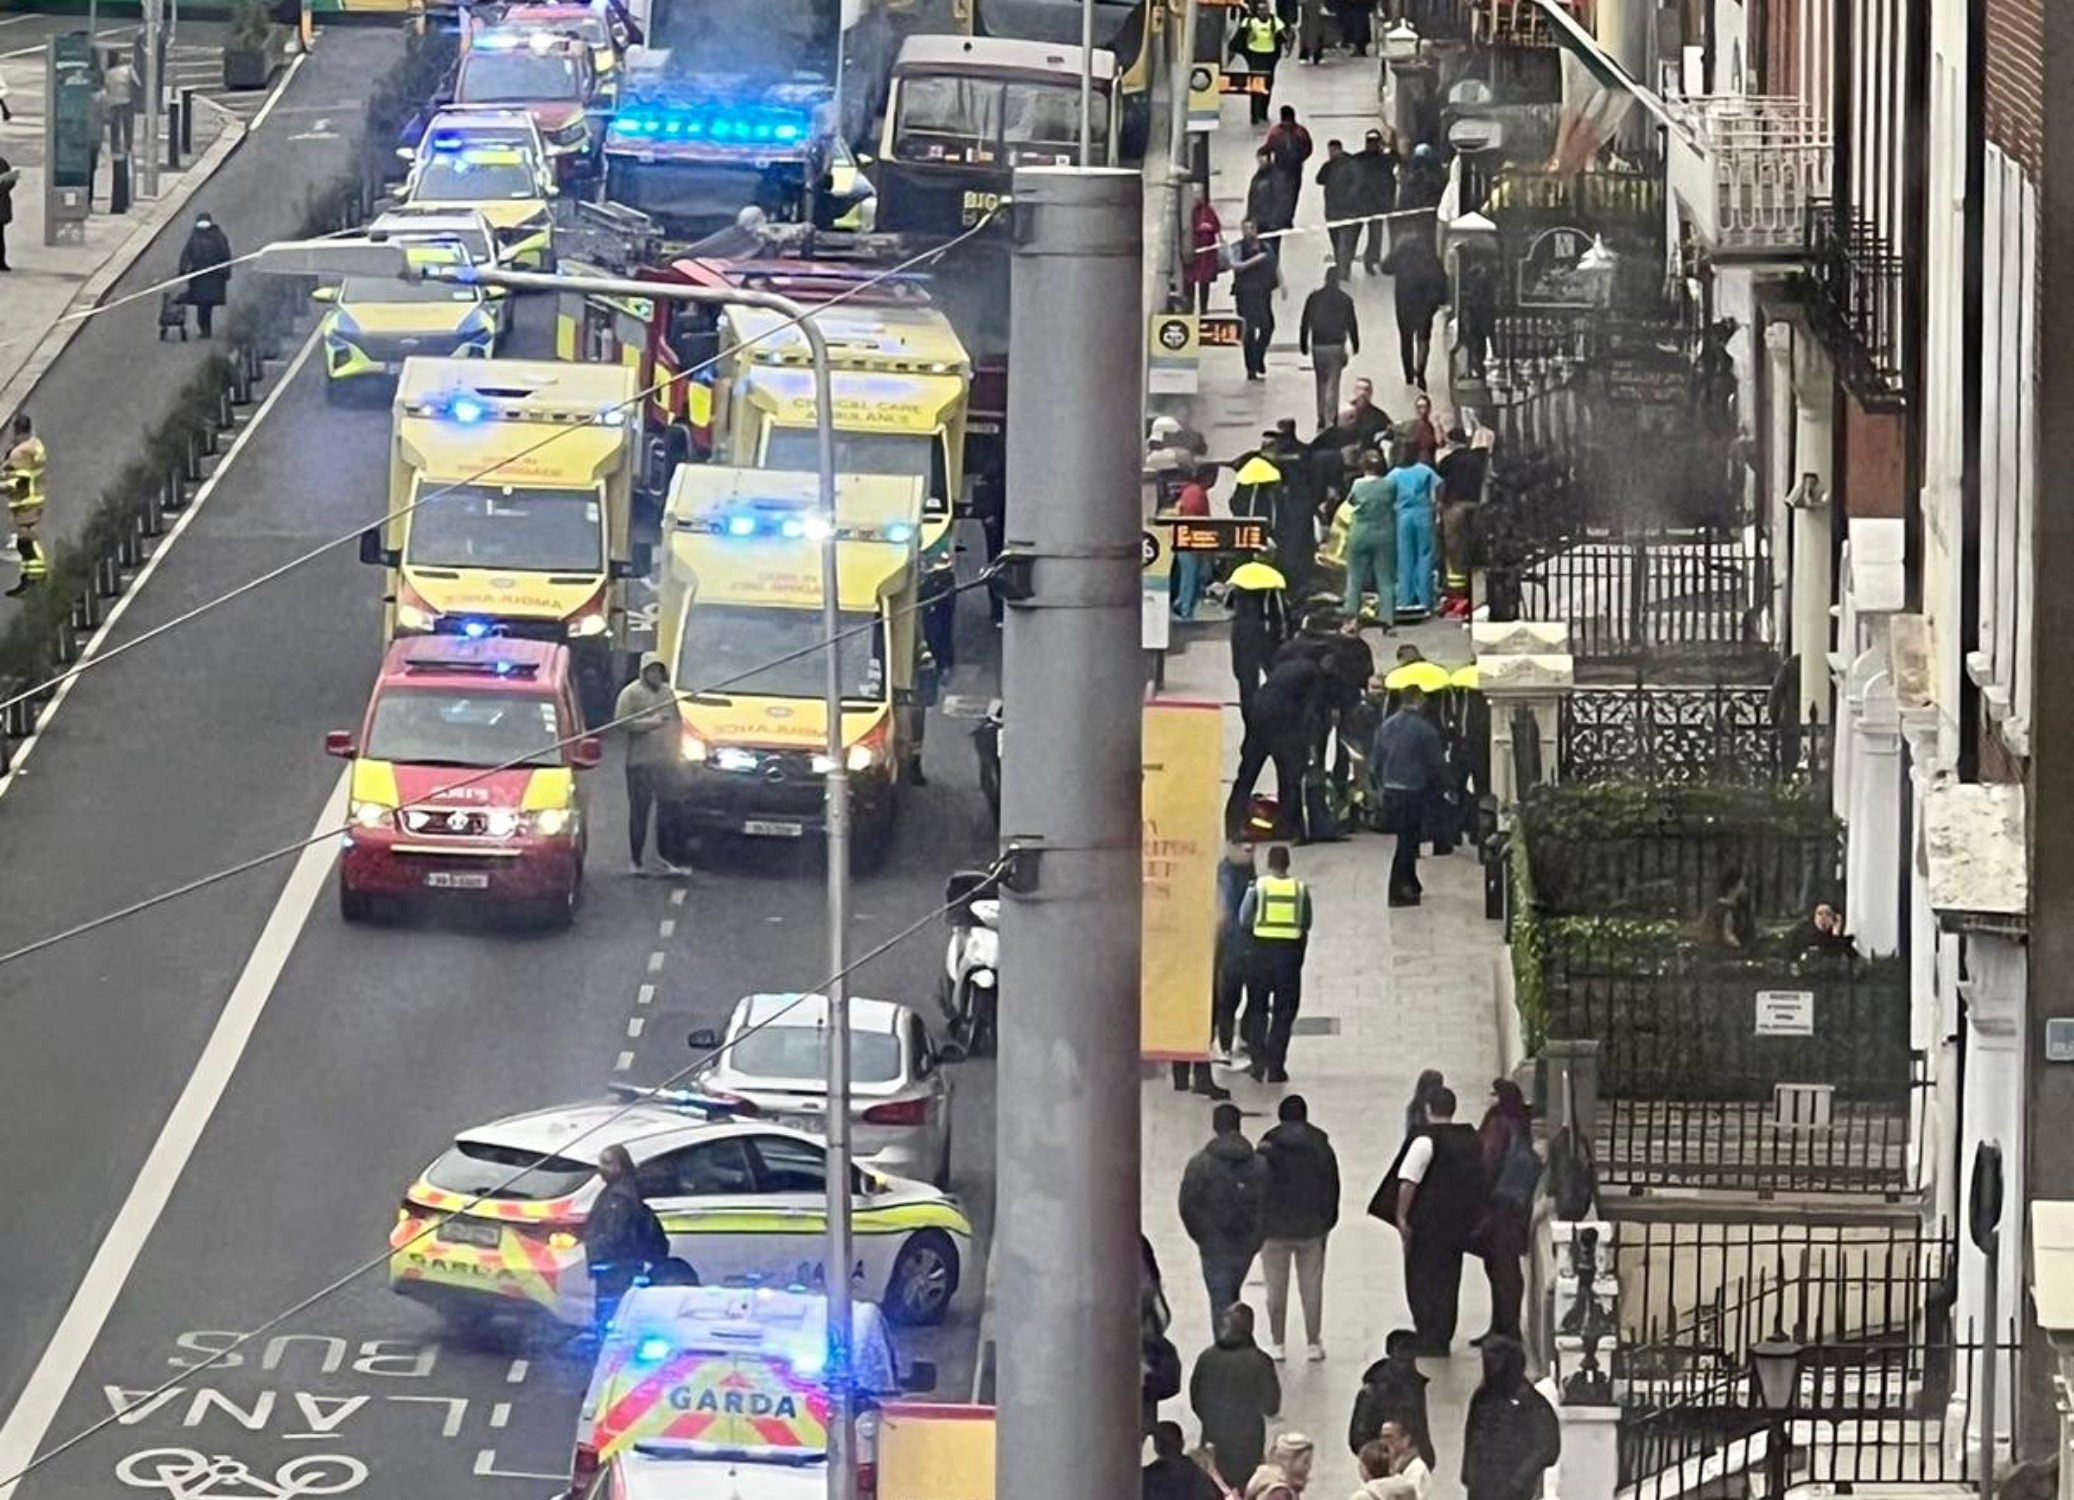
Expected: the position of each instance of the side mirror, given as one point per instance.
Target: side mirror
(587, 752)
(619, 568)
(324, 294)
(404, 153)
(372, 552)
(339, 742)
(920, 1378)
(705, 1039)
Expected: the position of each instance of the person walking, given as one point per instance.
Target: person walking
(1172, 1474)
(1407, 762)
(1371, 551)
(120, 84)
(1279, 729)
(647, 710)
(622, 1237)
(1223, 1205)
(1259, 40)
(1416, 496)
(1287, 1470)
(1434, 1194)
(1511, 1437)
(22, 474)
(1513, 1171)
(1206, 238)
(1329, 332)
(1476, 307)
(1233, 1390)
(1356, 20)
(1393, 1392)
(1302, 1209)
(1288, 145)
(205, 263)
(1343, 182)
(1378, 165)
(1277, 914)
(1255, 277)
(1269, 202)
(1234, 971)
(9, 176)
(1419, 290)
(1310, 31)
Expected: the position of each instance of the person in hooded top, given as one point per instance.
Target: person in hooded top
(1233, 1390)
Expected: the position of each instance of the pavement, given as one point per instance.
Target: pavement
(1387, 993)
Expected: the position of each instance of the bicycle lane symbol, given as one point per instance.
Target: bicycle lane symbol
(185, 1474)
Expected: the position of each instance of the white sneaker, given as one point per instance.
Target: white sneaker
(635, 867)
(1315, 1353)
(1276, 1353)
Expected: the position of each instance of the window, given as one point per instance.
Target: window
(461, 179)
(756, 649)
(796, 1052)
(501, 526)
(517, 77)
(449, 727)
(790, 1166)
(477, 1168)
(710, 1169)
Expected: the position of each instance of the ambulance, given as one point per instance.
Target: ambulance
(722, 1390)
(510, 487)
(741, 614)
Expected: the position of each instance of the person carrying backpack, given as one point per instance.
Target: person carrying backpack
(1514, 1172)
(1393, 1390)
(622, 1237)
(1224, 1208)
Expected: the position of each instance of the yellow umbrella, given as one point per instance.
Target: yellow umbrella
(1257, 470)
(1426, 676)
(1257, 575)
(1465, 677)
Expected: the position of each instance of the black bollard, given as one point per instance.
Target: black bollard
(119, 184)
(187, 122)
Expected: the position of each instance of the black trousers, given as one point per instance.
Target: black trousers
(1278, 967)
(1408, 814)
(1235, 984)
(1415, 345)
(1353, 29)
(1504, 1271)
(644, 783)
(205, 317)
(1345, 238)
(1289, 753)
(1377, 244)
(1433, 1287)
(1259, 332)
(1261, 63)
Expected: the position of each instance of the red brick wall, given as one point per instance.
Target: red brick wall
(1875, 463)
(1779, 67)
(2016, 80)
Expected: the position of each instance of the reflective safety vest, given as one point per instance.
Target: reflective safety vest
(1261, 34)
(1278, 909)
(22, 471)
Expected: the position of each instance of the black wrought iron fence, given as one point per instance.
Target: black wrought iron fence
(1797, 1140)
(1680, 864)
(1722, 732)
(1655, 600)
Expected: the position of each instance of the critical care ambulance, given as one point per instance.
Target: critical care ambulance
(723, 1390)
(740, 617)
(510, 487)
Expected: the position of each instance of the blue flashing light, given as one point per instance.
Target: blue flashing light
(741, 525)
(467, 410)
(652, 1350)
(475, 630)
(794, 529)
(787, 132)
(900, 531)
(810, 1359)
(502, 668)
(448, 140)
(499, 41)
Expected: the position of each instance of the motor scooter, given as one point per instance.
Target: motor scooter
(970, 986)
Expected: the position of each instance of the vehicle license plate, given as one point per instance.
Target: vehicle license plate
(462, 1232)
(456, 880)
(773, 830)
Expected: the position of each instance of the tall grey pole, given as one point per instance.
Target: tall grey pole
(154, 103)
(1174, 245)
(1087, 75)
(1066, 1243)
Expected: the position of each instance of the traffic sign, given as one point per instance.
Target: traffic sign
(1148, 549)
(1205, 84)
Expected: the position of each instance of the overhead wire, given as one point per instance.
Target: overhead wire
(311, 554)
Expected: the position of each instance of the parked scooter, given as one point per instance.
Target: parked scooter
(970, 985)
(986, 739)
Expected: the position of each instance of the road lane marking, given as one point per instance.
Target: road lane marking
(99, 638)
(28, 1425)
(294, 67)
(486, 1468)
(669, 927)
(516, 1375)
(655, 963)
(677, 896)
(620, 1064)
(636, 1025)
(645, 995)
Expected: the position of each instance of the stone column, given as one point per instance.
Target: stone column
(1872, 863)
(1813, 583)
(1994, 992)
(1522, 664)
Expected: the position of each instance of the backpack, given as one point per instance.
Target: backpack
(1246, 1201)
(1160, 1367)
(1321, 820)
(1518, 1174)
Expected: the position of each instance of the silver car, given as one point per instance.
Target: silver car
(900, 1094)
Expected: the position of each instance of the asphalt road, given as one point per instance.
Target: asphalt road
(323, 1064)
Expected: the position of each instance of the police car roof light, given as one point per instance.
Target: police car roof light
(653, 1350)
(713, 1106)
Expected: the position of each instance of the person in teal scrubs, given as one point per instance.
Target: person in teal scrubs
(1371, 544)
(1415, 487)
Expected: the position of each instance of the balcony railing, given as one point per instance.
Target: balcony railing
(1858, 286)
(1747, 169)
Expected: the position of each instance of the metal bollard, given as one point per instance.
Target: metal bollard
(127, 555)
(64, 645)
(172, 128)
(151, 514)
(187, 121)
(21, 714)
(86, 610)
(225, 417)
(175, 490)
(119, 194)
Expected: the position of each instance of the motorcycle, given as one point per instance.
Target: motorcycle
(969, 989)
(986, 739)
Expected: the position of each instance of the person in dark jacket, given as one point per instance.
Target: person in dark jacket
(1512, 1436)
(1424, 182)
(1501, 1240)
(1288, 146)
(1368, 422)
(1408, 761)
(1435, 1195)
(1269, 203)
(1172, 1474)
(1329, 333)
(1393, 1390)
(1224, 1209)
(1356, 18)
(9, 176)
(1378, 164)
(1295, 510)
(1341, 178)
(1281, 726)
(1254, 278)
(1233, 1390)
(1302, 1208)
(1348, 663)
(205, 262)
(1258, 628)
(622, 1237)
(1419, 289)
(1476, 307)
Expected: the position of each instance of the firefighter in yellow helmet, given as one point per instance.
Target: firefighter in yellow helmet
(21, 473)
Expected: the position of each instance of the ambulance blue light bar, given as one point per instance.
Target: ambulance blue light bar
(719, 126)
(778, 521)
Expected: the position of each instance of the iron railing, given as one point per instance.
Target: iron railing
(1748, 168)
(1723, 732)
(1858, 304)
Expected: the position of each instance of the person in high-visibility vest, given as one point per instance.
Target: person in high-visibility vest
(1276, 914)
(1260, 37)
(21, 472)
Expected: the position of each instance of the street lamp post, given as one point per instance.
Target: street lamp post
(1775, 1366)
(341, 257)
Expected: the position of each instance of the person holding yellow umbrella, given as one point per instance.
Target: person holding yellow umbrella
(1259, 625)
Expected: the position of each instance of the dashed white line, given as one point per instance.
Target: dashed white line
(655, 963)
(669, 927)
(516, 1374)
(636, 1025)
(624, 1061)
(500, 1413)
(645, 995)
(677, 896)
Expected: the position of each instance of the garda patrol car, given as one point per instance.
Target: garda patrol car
(506, 184)
(375, 323)
(704, 1389)
(496, 1223)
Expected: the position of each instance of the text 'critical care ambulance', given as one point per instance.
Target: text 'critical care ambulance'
(510, 488)
(741, 620)
(724, 1391)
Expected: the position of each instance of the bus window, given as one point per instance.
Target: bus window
(947, 119)
(1044, 119)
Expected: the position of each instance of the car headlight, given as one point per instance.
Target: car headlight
(552, 822)
(371, 814)
(340, 326)
(415, 617)
(694, 748)
(585, 626)
(571, 134)
(561, 1239)
(500, 822)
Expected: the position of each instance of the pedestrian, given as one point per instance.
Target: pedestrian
(1348, 664)
(1192, 499)
(1302, 1209)
(1511, 1437)
(1223, 1207)
(1268, 202)
(120, 84)
(1258, 628)
(1476, 306)
(1356, 17)
(22, 473)
(1280, 728)
(1310, 31)
(1255, 277)
(1419, 290)
(1259, 40)
(1235, 985)
(1172, 1474)
(1159, 1362)
(1416, 495)
(1513, 1171)
(1277, 915)
(1363, 418)
(647, 711)
(1430, 1080)
(939, 607)
(1425, 182)
(1371, 550)
(1206, 236)
(1434, 1194)
(9, 176)
(1233, 1390)
(1419, 433)
(97, 128)
(1287, 1470)
(1408, 763)
(1340, 176)
(205, 264)
(622, 1237)
(1288, 146)
(1378, 163)
(1393, 1393)
(1391, 1468)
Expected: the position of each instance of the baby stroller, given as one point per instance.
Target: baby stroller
(172, 315)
